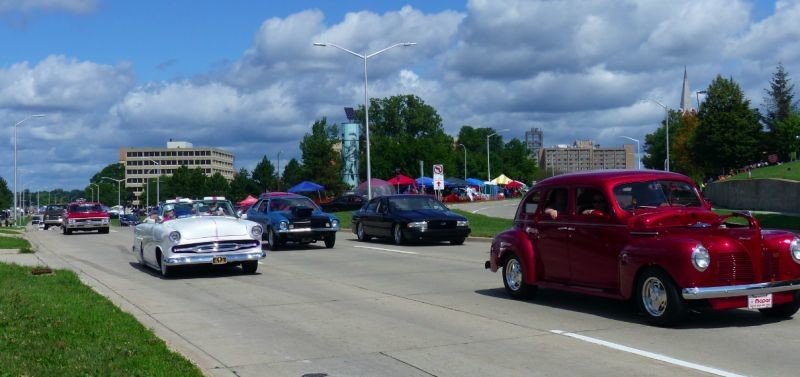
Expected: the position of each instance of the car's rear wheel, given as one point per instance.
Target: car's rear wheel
(397, 234)
(783, 310)
(658, 298)
(362, 236)
(330, 240)
(273, 239)
(459, 241)
(46, 226)
(250, 267)
(141, 254)
(514, 279)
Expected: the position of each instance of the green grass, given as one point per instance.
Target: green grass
(53, 325)
(9, 231)
(768, 220)
(345, 219)
(485, 226)
(790, 170)
(14, 243)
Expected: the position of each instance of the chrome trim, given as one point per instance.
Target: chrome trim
(308, 230)
(214, 247)
(206, 258)
(644, 233)
(697, 293)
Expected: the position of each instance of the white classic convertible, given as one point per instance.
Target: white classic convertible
(206, 231)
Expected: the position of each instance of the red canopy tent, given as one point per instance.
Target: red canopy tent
(514, 184)
(248, 201)
(401, 180)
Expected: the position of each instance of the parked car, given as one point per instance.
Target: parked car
(129, 220)
(37, 219)
(54, 215)
(348, 202)
(290, 217)
(83, 215)
(404, 218)
(648, 236)
(197, 232)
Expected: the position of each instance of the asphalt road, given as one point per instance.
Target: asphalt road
(375, 309)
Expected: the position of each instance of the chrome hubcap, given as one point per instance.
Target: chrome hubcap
(397, 234)
(360, 231)
(654, 297)
(513, 274)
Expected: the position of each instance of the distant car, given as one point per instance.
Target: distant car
(197, 232)
(36, 219)
(290, 217)
(405, 218)
(85, 216)
(349, 202)
(648, 237)
(129, 220)
(54, 215)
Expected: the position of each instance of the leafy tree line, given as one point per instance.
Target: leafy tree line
(727, 132)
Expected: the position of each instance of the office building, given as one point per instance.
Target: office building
(585, 155)
(534, 138)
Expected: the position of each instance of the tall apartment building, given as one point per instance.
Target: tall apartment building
(139, 162)
(534, 138)
(584, 155)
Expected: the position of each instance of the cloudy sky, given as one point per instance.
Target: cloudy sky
(245, 76)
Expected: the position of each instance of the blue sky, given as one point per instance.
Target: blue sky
(244, 76)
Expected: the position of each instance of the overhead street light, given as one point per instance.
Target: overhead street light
(488, 161)
(666, 113)
(158, 181)
(366, 98)
(15, 161)
(119, 181)
(98, 190)
(698, 93)
(638, 156)
(465, 161)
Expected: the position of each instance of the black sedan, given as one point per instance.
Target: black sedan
(129, 220)
(405, 218)
(349, 202)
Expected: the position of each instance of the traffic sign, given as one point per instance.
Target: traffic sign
(438, 177)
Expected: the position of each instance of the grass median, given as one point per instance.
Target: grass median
(14, 243)
(53, 325)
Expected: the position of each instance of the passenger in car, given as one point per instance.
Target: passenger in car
(556, 202)
(599, 207)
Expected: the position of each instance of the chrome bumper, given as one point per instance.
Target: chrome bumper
(206, 258)
(308, 230)
(740, 290)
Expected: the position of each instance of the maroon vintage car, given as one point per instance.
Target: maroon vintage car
(648, 236)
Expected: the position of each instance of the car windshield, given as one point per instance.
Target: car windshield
(652, 194)
(213, 208)
(284, 204)
(55, 208)
(415, 203)
(85, 208)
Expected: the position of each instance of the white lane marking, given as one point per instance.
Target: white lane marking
(647, 354)
(114, 231)
(389, 250)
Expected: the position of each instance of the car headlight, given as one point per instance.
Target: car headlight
(794, 248)
(421, 225)
(462, 223)
(283, 225)
(175, 236)
(700, 258)
(335, 223)
(256, 231)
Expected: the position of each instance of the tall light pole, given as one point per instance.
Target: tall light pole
(15, 160)
(158, 181)
(488, 161)
(278, 171)
(666, 113)
(465, 161)
(119, 189)
(366, 98)
(698, 93)
(98, 190)
(638, 156)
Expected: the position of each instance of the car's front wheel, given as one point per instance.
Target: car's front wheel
(362, 236)
(459, 241)
(250, 267)
(783, 310)
(273, 239)
(166, 271)
(658, 298)
(397, 234)
(514, 279)
(330, 240)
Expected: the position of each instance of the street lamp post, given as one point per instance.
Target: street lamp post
(698, 93)
(488, 161)
(119, 189)
(666, 112)
(15, 160)
(158, 181)
(278, 171)
(366, 98)
(98, 190)
(465, 161)
(638, 156)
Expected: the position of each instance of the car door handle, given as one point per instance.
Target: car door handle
(566, 228)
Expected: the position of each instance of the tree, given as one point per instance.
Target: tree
(264, 175)
(217, 185)
(405, 130)
(242, 185)
(293, 173)
(655, 144)
(787, 132)
(108, 188)
(729, 133)
(779, 102)
(516, 161)
(186, 183)
(6, 196)
(320, 158)
(682, 148)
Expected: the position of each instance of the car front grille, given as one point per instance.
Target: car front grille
(441, 224)
(735, 268)
(216, 247)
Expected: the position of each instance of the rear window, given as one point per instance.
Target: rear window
(85, 208)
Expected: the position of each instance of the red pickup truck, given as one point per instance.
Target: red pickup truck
(85, 216)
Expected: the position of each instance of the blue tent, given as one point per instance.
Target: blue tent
(306, 186)
(425, 181)
(475, 182)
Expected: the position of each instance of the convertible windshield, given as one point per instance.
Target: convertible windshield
(652, 194)
(415, 203)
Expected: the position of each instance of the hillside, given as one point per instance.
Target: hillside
(789, 170)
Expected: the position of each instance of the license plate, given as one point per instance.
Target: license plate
(219, 260)
(760, 301)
